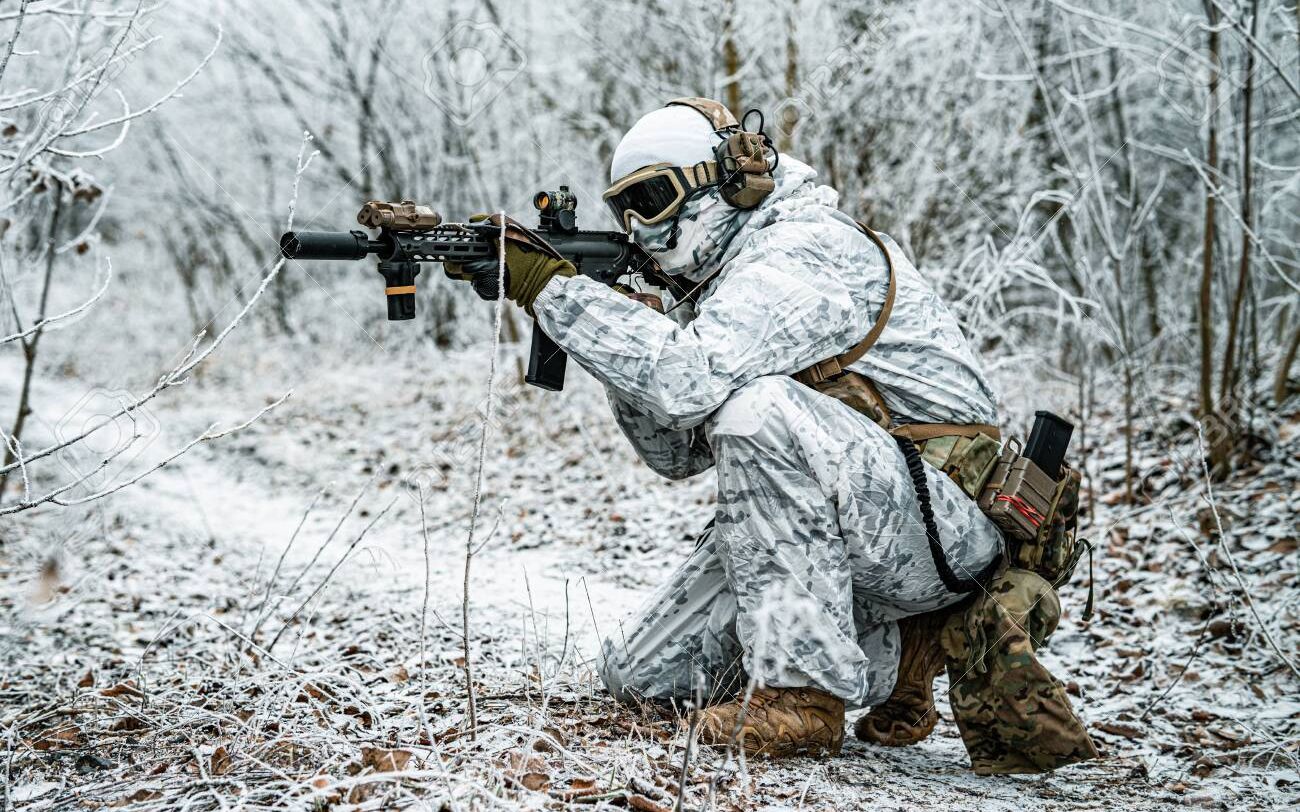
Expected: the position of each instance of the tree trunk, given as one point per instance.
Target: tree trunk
(31, 343)
(731, 59)
(785, 142)
(1281, 379)
(1206, 303)
(1228, 383)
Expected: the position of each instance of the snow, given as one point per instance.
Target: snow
(185, 644)
(165, 590)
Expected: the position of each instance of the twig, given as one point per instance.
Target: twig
(263, 613)
(251, 644)
(442, 767)
(330, 574)
(424, 605)
(692, 725)
(154, 105)
(564, 648)
(537, 641)
(30, 345)
(478, 478)
(1223, 545)
(9, 764)
(1196, 648)
(53, 497)
(4, 63)
(42, 324)
(179, 373)
(337, 526)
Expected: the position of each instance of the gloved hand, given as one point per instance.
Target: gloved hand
(481, 274)
(527, 272)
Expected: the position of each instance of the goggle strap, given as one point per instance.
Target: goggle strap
(704, 173)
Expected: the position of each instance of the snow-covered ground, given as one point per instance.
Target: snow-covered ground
(159, 653)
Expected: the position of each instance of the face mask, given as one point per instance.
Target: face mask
(702, 228)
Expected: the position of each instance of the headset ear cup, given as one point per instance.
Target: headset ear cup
(751, 191)
(745, 180)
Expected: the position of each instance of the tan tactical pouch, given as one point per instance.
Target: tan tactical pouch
(1037, 515)
(1013, 715)
(967, 460)
(857, 392)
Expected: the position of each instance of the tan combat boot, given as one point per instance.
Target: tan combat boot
(908, 715)
(778, 722)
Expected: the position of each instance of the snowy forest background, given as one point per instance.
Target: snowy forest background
(237, 502)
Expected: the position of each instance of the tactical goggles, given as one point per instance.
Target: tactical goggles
(654, 193)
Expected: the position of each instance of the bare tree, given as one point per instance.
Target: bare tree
(55, 132)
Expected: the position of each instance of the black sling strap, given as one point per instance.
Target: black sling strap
(916, 468)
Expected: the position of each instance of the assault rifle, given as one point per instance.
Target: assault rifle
(410, 234)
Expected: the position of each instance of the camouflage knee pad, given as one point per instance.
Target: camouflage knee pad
(1013, 715)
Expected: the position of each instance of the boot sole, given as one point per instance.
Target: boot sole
(782, 749)
(915, 734)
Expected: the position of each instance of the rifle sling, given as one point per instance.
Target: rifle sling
(836, 365)
(908, 437)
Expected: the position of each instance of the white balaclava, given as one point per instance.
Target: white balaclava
(705, 223)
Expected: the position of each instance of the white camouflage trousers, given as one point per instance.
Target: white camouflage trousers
(816, 551)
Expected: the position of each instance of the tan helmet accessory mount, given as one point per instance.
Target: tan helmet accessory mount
(744, 174)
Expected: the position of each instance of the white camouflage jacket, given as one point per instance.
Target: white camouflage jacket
(799, 282)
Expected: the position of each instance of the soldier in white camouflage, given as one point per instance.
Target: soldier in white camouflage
(818, 547)
(787, 611)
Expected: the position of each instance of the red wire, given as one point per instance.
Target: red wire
(1035, 518)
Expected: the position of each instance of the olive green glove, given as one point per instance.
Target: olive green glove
(527, 272)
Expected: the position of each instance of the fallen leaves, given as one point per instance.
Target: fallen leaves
(398, 674)
(535, 781)
(382, 760)
(1217, 737)
(129, 724)
(126, 688)
(371, 725)
(220, 762)
(549, 740)
(1120, 729)
(138, 797)
(64, 737)
(576, 789)
(362, 716)
(378, 761)
(311, 690)
(1223, 629)
(644, 804)
(528, 770)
